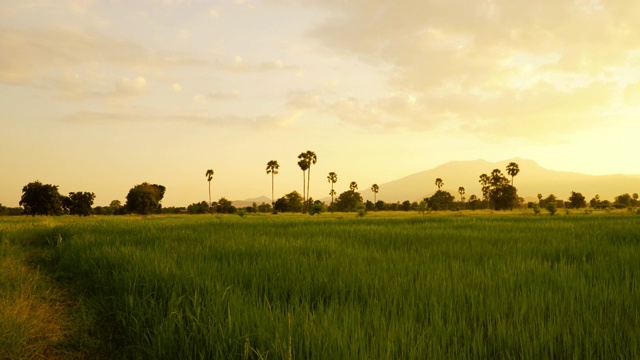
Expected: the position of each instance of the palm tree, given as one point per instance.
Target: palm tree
(540, 198)
(513, 170)
(304, 165)
(209, 175)
(439, 183)
(353, 186)
(332, 178)
(272, 168)
(375, 188)
(311, 158)
(461, 192)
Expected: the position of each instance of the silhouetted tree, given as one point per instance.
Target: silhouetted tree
(291, 202)
(41, 199)
(353, 186)
(375, 188)
(199, 208)
(461, 192)
(497, 190)
(439, 183)
(209, 176)
(303, 163)
(621, 201)
(310, 158)
(145, 198)
(332, 178)
(80, 203)
(577, 200)
(441, 200)
(272, 168)
(513, 169)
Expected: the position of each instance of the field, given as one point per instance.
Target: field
(341, 287)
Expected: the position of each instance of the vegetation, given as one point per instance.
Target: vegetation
(438, 287)
(209, 176)
(41, 199)
(145, 198)
(332, 178)
(272, 168)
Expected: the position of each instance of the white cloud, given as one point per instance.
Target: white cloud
(176, 88)
(125, 86)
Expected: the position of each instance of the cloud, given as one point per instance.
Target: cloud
(213, 13)
(39, 52)
(217, 96)
(238, 65)
(125, 86)
(176, 88)
(487, 66)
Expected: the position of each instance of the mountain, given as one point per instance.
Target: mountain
(531, 181)
(248, 202)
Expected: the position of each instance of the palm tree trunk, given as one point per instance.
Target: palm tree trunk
(209, 195)
(273, 203)
(308, 182)
(304, 201)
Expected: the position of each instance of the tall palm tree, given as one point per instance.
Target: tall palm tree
(272, 168)
(353, 186)
(312, 158)
(513, 169)
(461, 192)
(375, 188)
(209, 175)
(332, 178)
(304, 166)
(439, 183)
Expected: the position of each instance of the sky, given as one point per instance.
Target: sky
(102, 95)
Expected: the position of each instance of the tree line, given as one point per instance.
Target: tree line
(498, 193)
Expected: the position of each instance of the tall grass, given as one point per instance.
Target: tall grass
(295, 287)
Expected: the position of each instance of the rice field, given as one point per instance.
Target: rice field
(297, 287)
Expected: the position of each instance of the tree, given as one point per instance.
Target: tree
(41, 199)
(497, 190)
(375, 188)
(332, 178)
(304, 166)
(145, 198)
(209, 175)
(291, 202)
(513, 169)
(622, 201)
(461, 192)
(224, 206)
(199, 208)
(272, 168)
(80, 203)
(349, 200)
(441, 200)
(577, 200)
(353, 186)
(439, 183)
(309, 157)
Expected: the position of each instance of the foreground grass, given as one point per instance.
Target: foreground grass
(284, 287)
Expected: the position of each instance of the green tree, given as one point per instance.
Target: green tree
(272, 168)
(375, 188)
(513, 169)
(332, 178)
(621, 201)
(291, 202)
(441, 200)
(145, 198)
(224, 206)
(577, 200)
(41, 199)
(80, 203)
(439, 183)
(199, 208)
(350, 200)
(209, 176)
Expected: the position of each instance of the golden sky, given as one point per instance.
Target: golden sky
(102, 95)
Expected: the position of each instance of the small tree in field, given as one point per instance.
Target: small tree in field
(41, 199)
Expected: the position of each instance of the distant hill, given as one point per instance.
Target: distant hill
(248, 202)
(531, 181)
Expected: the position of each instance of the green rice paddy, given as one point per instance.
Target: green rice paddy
(297, 287)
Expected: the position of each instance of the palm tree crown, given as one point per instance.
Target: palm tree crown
(375, 188)
(513, 169)
(353, 186)
(332, 178)
(439, 183)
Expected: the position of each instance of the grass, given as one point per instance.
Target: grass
(284, 287)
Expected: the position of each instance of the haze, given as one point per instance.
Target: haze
(102, 95)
